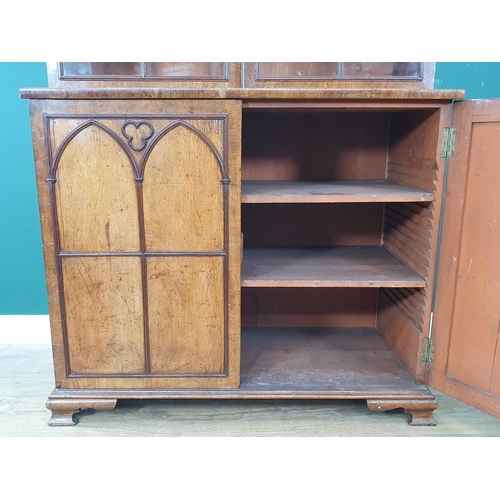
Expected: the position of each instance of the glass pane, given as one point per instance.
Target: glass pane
(186, 69)
(298, 69)
(101, 69)
(411, 69)
(380, 70)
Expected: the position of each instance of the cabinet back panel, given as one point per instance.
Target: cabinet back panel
(305, 224)
(308, 306)
(314, 146)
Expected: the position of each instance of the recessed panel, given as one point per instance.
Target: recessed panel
(183, 194)
(186, 315)
(96, 195)
(476, 320)
(104, 314)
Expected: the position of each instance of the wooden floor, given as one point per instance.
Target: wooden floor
(26, 379)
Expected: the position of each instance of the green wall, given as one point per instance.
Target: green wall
(480, 80)
(22, 280)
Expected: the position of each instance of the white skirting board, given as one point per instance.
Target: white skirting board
(24, 329)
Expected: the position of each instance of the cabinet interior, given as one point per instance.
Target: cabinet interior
(326, 146)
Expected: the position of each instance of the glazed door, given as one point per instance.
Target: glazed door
(144, 74)
(467, 313)
(141, 228)
(324, 75)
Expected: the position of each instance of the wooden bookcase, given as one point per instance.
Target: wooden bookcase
(340, 218)
(239, 242)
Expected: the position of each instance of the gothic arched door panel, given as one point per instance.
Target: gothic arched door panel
(141, 228)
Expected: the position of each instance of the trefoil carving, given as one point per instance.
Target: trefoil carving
(137, 134)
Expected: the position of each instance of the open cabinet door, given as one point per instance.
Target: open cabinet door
(467, 308)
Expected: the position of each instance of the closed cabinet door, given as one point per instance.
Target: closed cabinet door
(141, 230)
(467, 313)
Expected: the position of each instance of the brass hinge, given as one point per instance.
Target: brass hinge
(449, 141)
(428, 349)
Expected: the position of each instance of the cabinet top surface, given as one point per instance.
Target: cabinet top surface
(244, 94)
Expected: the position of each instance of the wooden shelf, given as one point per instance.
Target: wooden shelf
(330, 192)
(319, 359)
(346, 266)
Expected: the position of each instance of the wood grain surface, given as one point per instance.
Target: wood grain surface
(183, 195)
(308, 306)
(186, 314)
(104, 314)
(246, 94)
(343, 191)
(325, 267)
(303, 224)
(474, 358)
(74, 276)
(96, 195)
(472, 204)
(314, 146)
(319, 359)
(411, 230)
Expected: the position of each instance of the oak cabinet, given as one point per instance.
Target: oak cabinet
(132, 246)
(240, 242)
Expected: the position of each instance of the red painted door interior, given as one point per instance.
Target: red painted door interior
(467, 312)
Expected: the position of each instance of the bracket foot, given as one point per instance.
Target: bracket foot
(420, 409)
(64, 409)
